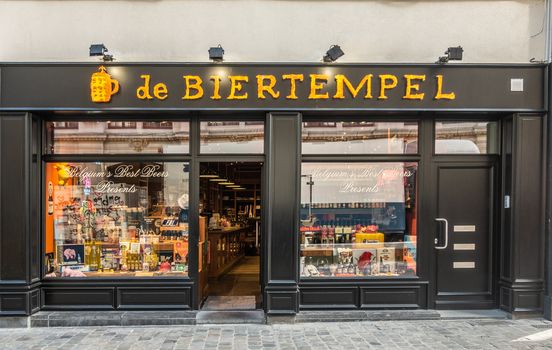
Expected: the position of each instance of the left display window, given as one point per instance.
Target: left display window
(116, 219)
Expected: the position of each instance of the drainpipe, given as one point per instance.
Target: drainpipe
(548, 223)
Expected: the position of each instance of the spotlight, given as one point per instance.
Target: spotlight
(333, 54)
(100, 50)
(452, 54)
(216, 53)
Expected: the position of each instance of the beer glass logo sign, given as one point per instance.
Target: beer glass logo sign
(102, 86)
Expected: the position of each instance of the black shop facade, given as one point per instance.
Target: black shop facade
(299, 186)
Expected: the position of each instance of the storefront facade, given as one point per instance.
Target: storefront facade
(385, 186)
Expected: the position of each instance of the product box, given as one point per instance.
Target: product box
(369, 237)
(134, 248)
(180, 251)
(366, 260)
(70, 254)
(386, 260)
(166, 252)
(77, 267)
(110, 257)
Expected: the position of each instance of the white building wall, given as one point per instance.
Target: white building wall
(369, 31)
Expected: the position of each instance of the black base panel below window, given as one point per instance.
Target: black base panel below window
(117, 297)
(19, 303)
(396, 296)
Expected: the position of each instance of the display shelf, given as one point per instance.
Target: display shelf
(339, 211)
(357, 246)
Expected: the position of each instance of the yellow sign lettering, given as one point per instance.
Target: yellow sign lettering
(262, 88)
(143, 91)
(317, 82)
(160, 91)
(216, 88)
(412, 91)
(293, 78)
(236, 86)
(193, 82)
(341, 82)
(440, 95)
(387, 82)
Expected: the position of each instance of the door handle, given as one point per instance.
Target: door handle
(446, 234)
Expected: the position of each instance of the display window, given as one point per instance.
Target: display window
(359, 137)
(117, 137)
(237, 137)
(116, 219)
(358, 219)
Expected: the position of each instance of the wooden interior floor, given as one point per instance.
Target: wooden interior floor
(239, 288)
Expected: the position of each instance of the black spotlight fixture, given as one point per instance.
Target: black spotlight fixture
(333, 54)
(100, 50)
(216, 53)
(452, 54)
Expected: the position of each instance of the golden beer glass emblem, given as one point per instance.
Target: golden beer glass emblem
(102, 86)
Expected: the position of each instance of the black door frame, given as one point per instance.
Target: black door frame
(196, 159)
(430, 195)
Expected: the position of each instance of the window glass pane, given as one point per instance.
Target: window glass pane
(117, 137)
(116, 219)
(460, 137)
(157, 125)
(358, 219)
(66, 125)
(361, 137)
(121, 125)
(232, 137)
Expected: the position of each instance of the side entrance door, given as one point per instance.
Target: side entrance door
(463, 241)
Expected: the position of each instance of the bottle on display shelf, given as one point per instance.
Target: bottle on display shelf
(331, 232)
(50, 198)
(346, 232)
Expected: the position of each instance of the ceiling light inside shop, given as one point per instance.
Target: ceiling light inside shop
(218, 180)
(226, 183)
(208, 174)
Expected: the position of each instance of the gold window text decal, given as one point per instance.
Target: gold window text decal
(102, 86)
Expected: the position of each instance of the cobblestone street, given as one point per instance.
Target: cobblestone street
(441, 334)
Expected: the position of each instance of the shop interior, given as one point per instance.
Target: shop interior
(230, 235)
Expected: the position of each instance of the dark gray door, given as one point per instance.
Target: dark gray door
(463, 235)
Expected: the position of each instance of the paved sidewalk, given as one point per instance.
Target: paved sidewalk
(441, 334)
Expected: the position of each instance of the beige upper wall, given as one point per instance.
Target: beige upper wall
(272, 30)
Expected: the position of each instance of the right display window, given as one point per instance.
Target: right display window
(358, 219)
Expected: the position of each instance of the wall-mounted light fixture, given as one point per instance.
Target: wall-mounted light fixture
(452, 54)
(333, 54)
(216, 54)
(100, 50)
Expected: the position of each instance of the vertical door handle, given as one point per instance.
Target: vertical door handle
(446, 234)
